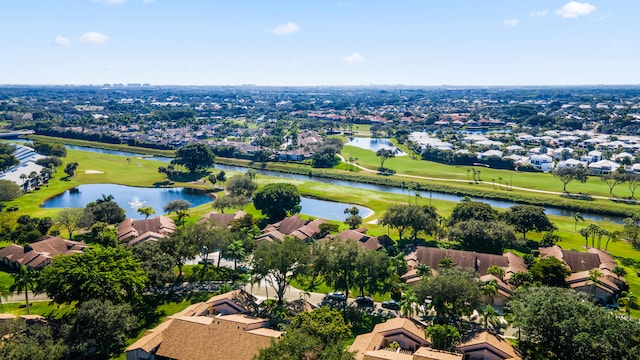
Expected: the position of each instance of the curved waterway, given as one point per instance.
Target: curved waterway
(503, 204)
(132, 198)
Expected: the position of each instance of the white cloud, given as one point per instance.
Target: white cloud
(511, 23)
(62, 41)
(94, 38)
(354, 58)
(111, 2)
(539, 13)
(574, 9)
(286, 29)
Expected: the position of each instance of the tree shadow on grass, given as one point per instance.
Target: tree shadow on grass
(187, 176)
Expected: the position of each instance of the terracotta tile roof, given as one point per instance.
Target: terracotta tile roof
(290, 224)
(576, 261)
(223, 220)
(195, 338)
(132, 229)
(582, 279)
(39, 254)
(364, 241)
(479, 262)
(12, 252)
(392, 327)
(485, 340)
(151, 339)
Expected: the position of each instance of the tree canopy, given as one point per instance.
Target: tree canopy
(476, 235)
(100, 273)
(195, 156)
(525, 218)
(472, 210)
(550, 271)
(276, 200)
(454, 292)
(105, 210)
(278, 261)
(564, 324)
(8, 190)
(568, 174)
(241, 185)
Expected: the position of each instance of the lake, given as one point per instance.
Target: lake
(131, 198)
(374, 144)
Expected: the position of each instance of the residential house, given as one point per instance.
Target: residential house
(39, 254)
(365, 241)
(603, 167)
(486, 346)
(218, 328)
(541, 162)
(223, 220)
(136, 232)
(592, 156)
(605, 288)
(292, 226)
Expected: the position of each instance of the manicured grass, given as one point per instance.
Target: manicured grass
(45, 308)
(6, 279)
(540, 181)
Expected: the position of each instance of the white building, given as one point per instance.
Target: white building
(542, 162)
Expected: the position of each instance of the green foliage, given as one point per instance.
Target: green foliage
(482, 236)
(104, 210)
(100, 273)
(49, 161)
(564, 324)
(9, 190)
(241, 185)
(325, 157)
(157, 264)
(454, 292)
(353, 220)
(49, 149)
(29, 230)
(101, 327)
(312, 335)
(384, 155)
(568, 174)
(410, 217)
(7, 161)
(550, 271)
(276, 200)
(146, 211)
(70, 169)
(72, 219)
(195, 156)
(33, 342)
(24, 281)
(443, 337)
(472, 210)
(176, 205)
(103, 235)
(525, 218)
(278, 261)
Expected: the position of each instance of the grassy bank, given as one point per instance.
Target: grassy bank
(99, 145)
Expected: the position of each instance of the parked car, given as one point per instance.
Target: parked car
(391, 304)
(364, 301)
(337, 296)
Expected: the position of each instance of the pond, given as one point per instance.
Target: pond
(396, 190)
(374, 144)
(131, 198)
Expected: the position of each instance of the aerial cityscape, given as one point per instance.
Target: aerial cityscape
(353, 180)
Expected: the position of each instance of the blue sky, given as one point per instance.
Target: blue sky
(344, 42)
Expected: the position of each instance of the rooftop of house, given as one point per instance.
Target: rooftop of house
(499, 346)
(38, 254)
(223, 220)
(135, 231)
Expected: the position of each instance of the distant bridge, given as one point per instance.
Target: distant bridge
(15, 134)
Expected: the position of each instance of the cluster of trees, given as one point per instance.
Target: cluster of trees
(7, 159)
(564, 324)
(325, 156)
(195, 156)
(49, 149)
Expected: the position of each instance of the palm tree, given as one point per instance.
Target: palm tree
(611, 236)
(23, 280)
(593, 230)
(235, 251)
(181, 214)
(584, 232)
(577, 217)
(408, 304)
(594, 279)
(489, 315)
(496, 271)
(628, 301)
(489, 288)
(23, 177)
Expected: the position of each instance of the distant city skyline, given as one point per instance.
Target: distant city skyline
(312, 43)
